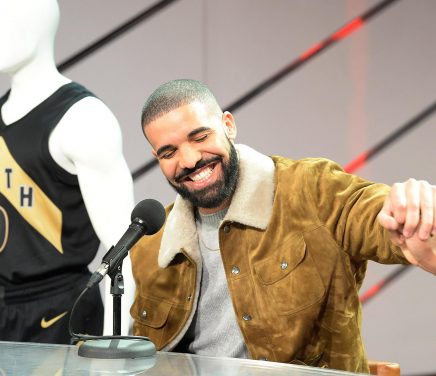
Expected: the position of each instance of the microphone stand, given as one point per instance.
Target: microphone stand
(117, 290)
(117, 347)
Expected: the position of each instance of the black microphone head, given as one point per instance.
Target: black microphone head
(152, 213)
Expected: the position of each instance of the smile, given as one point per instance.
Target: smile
(201, 175)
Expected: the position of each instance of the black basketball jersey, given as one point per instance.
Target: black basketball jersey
(45, 229)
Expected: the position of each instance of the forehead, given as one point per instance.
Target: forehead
(176, 125)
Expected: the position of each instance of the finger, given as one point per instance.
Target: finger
(385, 216)
(387, 221)
(427, 210)
(434, 210)
(397, 200)
(412, 192)
(397, 238)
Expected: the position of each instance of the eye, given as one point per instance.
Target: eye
(167, 155)
(201, 138)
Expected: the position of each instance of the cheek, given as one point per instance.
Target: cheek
(168, 168)
(219, 147)
(224, 144)
(224, 149)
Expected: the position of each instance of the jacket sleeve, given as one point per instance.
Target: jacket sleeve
(348, 206)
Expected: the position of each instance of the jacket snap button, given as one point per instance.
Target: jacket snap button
(226, 229)
(235, 270)
(246, 317)
(144, 314)
(284, 265)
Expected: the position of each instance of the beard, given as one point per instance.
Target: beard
(215, 194)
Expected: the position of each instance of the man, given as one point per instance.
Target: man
(58, 181)
(263, 257)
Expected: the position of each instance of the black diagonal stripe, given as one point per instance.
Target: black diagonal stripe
(112, 35)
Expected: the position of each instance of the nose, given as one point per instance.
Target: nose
(189, 156)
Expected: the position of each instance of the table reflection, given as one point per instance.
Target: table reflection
(63, 360)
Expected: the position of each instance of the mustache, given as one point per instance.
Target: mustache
(200, 164)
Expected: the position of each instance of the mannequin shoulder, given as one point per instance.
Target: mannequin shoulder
(89, 114)
(88, 129)
(89, 121)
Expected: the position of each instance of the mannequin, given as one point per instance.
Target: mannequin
(85, 145)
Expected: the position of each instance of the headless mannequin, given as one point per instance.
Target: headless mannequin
(27, 33)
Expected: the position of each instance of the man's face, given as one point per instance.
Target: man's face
(194, 146)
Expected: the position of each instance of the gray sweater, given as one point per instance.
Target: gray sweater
(214, 330)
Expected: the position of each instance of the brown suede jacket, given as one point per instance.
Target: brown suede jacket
(294, 243)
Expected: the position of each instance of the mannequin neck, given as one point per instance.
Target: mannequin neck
(31, 84)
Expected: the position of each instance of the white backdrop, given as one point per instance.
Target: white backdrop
(336, 106)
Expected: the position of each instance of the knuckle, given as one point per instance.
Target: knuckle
(396, 186)
(426, 208)
(400, 204)
(423, 182)
(413, 206)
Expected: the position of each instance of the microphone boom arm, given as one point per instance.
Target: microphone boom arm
(116, 254)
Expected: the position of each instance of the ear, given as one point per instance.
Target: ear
(229, 126)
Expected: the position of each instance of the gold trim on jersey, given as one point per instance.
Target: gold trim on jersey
(6, 229)
(44, 216)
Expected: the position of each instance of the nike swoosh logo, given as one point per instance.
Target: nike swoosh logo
(46, 323)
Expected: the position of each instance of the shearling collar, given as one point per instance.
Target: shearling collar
(251, 205)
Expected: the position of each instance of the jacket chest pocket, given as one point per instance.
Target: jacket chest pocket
(290, 278)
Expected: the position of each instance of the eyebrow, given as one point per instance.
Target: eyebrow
(191, 134)
(163, 149)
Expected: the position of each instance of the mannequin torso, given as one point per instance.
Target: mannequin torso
(86, 141)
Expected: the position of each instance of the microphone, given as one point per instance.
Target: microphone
(147, 218)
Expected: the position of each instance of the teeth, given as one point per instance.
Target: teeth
(203, 174)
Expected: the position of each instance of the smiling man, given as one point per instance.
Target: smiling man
(262, 257)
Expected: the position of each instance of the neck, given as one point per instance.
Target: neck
(30, 85)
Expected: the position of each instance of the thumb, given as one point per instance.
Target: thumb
(385, 217)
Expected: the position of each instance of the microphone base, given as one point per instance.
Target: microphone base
(117, 348)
